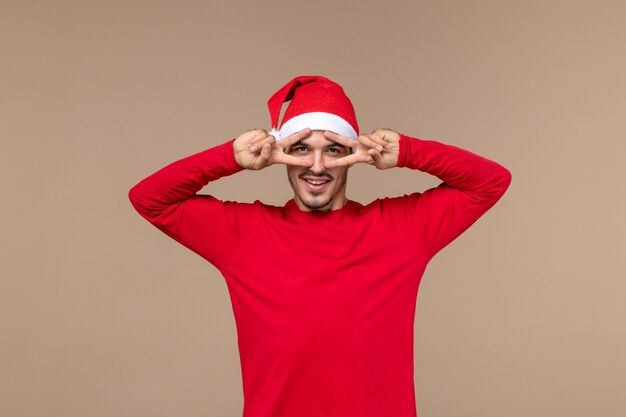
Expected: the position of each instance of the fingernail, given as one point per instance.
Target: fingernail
(379, 147)
(253, 148)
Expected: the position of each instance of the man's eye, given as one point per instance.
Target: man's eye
(300, 148)
(334, 150)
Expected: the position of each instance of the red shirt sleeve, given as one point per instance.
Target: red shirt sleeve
(202, 223)
(471, 185)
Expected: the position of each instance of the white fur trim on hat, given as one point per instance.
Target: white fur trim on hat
(317, 121)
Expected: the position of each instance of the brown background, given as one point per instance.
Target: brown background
(103, 315)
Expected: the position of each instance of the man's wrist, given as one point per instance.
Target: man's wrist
(403, 151)
(228, 154)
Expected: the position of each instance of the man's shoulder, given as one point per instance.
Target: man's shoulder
(392, 201)
(241, 213)
(250, 206)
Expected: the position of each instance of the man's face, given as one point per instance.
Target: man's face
(317, 187)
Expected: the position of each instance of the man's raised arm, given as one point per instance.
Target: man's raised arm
(471, 184)
(168, 198)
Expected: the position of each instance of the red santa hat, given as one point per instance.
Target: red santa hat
(317, 103)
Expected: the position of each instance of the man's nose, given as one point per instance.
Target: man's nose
(318, 163)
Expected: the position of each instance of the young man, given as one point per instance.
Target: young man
(324, 288)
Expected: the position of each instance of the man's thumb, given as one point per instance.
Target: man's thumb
(379, 161)
(265, 153)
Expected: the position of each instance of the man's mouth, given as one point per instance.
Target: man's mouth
(315, 184)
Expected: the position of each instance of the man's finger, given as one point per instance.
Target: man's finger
(260, 136)
(261, 161)
(259, 142)
(378, 136)
(367, 141)
(255, 134)
(343, 161)
(378, 159)
(283, 158)
(295, 137)
(342, 140)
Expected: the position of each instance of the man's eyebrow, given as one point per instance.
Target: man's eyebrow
(336, 144)
(330, 145)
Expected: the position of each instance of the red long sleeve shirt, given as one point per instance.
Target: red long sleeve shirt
(324, 303)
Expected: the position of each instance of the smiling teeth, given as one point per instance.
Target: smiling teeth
(316, 182)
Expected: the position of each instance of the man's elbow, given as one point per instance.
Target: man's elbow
(504, 179)
(134, 195)
(500, 183)
(139, 202)
(497, 185)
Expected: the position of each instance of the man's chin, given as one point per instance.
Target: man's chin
(315, 203)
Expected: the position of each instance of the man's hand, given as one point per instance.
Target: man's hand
(257, 149)
(380, 148)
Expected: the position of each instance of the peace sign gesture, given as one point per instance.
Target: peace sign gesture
(257, 149)
(380, 148)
